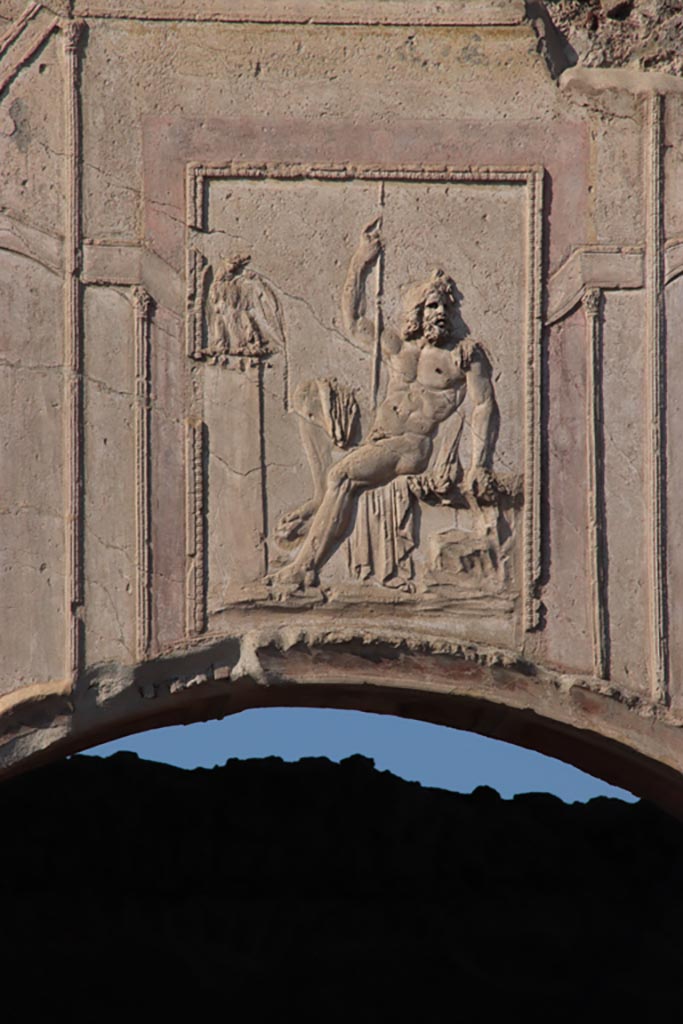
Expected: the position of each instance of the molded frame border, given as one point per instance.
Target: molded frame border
(198, 177)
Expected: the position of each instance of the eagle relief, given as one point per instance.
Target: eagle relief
(406, 501)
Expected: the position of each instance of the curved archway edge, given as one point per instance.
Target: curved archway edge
(576, 719)
(312, 469)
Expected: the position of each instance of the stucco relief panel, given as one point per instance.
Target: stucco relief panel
(365, 430)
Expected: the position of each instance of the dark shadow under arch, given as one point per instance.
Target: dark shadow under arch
(607, 734)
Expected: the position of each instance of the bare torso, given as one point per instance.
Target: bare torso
(426, 385)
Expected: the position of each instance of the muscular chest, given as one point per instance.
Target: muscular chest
(438, 370)
(433, 368)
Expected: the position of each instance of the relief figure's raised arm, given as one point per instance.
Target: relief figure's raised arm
(359, 325)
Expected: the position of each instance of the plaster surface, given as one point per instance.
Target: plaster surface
(338, 369)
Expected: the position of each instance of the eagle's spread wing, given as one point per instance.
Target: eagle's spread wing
(264, 309)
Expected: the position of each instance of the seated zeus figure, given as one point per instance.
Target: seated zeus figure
(430, 374)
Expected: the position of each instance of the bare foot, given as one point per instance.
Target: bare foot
(293, 577)
(399, 583)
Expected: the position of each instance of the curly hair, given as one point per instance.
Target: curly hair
(438, 283)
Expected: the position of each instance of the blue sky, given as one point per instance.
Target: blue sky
(430, 754)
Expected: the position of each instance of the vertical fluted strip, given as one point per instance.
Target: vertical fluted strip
(73, 380)
(142, 304)
(597, 547)
(656, 403)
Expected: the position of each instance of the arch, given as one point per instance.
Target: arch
(591, 726)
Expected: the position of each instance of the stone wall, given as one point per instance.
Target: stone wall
(339, 367)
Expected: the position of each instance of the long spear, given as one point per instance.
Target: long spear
(379, 286)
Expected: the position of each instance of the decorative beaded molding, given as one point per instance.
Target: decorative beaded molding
(195, 525)
(531, 178)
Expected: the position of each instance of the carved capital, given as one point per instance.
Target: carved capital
(142, 300)
(592, 301)
(73, 32)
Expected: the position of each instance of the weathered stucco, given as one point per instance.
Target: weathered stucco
(234, 476)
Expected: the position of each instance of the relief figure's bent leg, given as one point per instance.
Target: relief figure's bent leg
(318, 447)
(370, 465)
